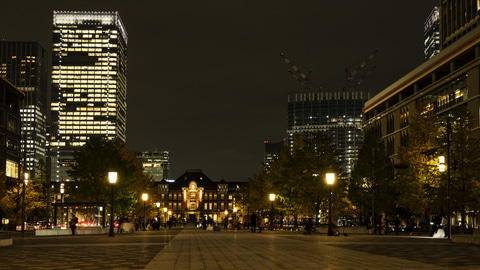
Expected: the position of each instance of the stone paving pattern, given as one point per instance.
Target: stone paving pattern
(199, 249)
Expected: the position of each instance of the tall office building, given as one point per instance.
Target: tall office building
(271, 150)
(336, 114)
(431, 34)
(89, 83)
(24, 64)
(10, 123)
(457, 19)
(155, 163)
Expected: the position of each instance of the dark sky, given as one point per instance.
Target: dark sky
(205, 78)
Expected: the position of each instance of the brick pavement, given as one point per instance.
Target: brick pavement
(194, 249)
(199, 249)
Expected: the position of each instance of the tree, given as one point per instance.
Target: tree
(371, 174)
(296, 176)
(89, 173)
(464, 162)
(418, 187)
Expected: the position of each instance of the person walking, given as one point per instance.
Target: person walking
(386, 224)
(260, 223)
(73, 224)
(253, 220)
(397, 224)
(225, 223)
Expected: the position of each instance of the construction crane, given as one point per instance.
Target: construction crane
(352, 81)
(301, 76)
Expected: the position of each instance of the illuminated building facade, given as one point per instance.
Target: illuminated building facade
(335, 114)
(10, 123)
(432, 34)
(89, 83)
(24, 64)
(193, 196)
(155, 163)
(448, 81)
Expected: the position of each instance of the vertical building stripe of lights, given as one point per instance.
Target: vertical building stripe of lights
(108, 86)
(58, 105)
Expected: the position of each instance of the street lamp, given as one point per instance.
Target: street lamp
(248, 216)
(165, 215)
(158, 207)
(330, 180)
(144, 197)
(234, 218)
(25, 181)
(441, 168)
(272, 198)
(112, 178)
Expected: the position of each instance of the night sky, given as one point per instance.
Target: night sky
(206, 81)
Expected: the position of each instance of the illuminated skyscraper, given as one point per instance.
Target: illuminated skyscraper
(89, 83)
(336, 114)
(24, 64)
(156, 163)
(432, 34)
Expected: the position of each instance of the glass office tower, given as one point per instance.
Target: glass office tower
(24, 64)
(336, 114)
(89, 83)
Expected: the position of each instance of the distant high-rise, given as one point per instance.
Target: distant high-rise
(24, 64)
(10, 123)
(89, 83)
(336, 114)
(156, 164)
(431, 34)
(271, 150)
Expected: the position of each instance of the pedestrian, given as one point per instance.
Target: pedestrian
(386, 224)
(443, 224)
(73, 224)
(378, 220)
(260, 223)
(253, 220)
(225, 223)
(397, 224)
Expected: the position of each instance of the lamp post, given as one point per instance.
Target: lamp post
(165, 216)
(234, 218)
(330, 180)
(272, 198)
(248, 216)
(25, 181)
(144, 197)
(112, 178)
(158, 207)
(441, 168)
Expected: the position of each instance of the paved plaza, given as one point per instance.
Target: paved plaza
(199, 249)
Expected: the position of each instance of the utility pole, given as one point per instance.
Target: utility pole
(449, 226)
(373, 189)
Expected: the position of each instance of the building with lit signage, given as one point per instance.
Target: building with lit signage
(432, 34)
(89, 83)
(193, 195)
(336, 114)
(24, 64)
(155, 163)
(447, 81)
(10, 123)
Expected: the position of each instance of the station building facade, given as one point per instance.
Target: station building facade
(193, 195)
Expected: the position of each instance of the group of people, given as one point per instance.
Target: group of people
(257, 221)
(438, 227)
